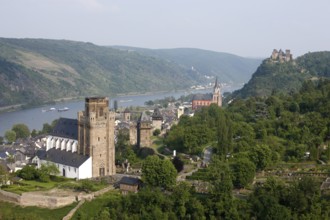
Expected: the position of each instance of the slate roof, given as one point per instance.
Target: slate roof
(42, 154)
(130, 181)
(3, 155)
(157, 115)
(4, 165)
(144, 117)
(63, 157)
(66, 128)
(208, 96)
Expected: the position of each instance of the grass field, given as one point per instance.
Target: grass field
(91, 209)
(29, 186)
(11, 211)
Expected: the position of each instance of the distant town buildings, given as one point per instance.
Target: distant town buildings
(281, 56)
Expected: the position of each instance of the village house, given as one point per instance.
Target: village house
(129, 184)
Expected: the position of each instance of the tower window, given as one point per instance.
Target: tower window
(102, 171)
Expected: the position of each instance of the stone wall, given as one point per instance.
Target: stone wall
(51, 202)
(10, 197)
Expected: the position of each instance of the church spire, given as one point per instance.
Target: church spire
(216, 82)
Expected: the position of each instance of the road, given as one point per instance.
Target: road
(207, 155)
(206, 159)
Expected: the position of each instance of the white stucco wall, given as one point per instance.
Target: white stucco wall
(61, 143)
(82, 172)
(85, 170)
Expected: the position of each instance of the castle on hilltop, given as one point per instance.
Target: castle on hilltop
(281, 56)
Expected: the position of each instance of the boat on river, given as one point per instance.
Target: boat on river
(63, 109)
(49, 110)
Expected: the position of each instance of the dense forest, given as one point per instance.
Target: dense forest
(249, 137)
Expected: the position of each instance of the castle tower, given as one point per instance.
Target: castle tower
(144, 131)
(157, 119)
(96, 127)
(288, 55)
(127, 115)
(217, 98)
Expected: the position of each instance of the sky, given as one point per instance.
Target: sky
(247, 28)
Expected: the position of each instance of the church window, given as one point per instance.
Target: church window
(75, 170)
(98, 138)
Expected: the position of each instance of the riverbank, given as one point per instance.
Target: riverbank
(22, 106)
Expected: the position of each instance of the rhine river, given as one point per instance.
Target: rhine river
(34, 118)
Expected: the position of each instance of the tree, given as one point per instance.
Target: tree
(260, 155)
(243, 171)
(34, 133)
(115, 105)
(178, 164)
(22, 131)
(4, 176)
(10, 135)
(28, 173)
(157, 172)
(181, 196)
(221, 181)
(46, 170)
(156, 132)
(46, 128)
(224, 134)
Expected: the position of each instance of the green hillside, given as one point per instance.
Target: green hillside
(227, 67)
(35, 71)
(285, 77)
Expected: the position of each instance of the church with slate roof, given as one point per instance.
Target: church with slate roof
(84, 147)
(201, 100)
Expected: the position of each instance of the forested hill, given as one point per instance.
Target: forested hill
(284, 77)
(227, 67)
(34, 71)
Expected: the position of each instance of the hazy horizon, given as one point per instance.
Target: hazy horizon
(244, 28)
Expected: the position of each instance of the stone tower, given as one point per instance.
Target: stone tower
(217, 98)
(157, 119)
(127, 115)
(96, 127)
(144, 131)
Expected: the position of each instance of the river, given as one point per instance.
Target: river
(34, 118)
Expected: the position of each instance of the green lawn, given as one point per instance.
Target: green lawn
(158, 145)
(29, 186)
(11, 211)
(56, 182)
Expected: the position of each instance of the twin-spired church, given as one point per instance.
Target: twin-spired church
(84, 147)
